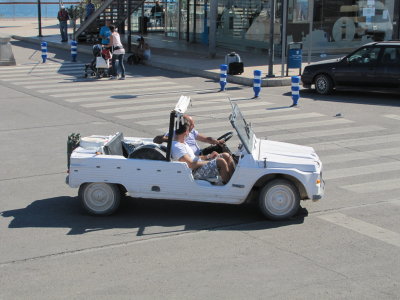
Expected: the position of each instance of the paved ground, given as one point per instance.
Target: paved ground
(167, 53)
(347, 246)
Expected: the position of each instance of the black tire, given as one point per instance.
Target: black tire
(279, 199)
(323, 84)
(99, 198)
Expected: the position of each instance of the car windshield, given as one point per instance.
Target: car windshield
(243, 129)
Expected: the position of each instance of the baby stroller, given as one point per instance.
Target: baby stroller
(100, 65)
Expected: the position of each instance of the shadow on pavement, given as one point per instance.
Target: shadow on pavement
(64, 54)
(360, 97)
(66, 212)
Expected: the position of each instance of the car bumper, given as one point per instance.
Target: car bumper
(320, 193)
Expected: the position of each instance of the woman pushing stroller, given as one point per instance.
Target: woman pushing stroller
(118, 53)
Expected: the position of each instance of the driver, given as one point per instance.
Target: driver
(203, 166)
(192, 139)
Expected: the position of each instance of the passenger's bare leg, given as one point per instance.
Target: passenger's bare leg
(229, 160)
(223, 169)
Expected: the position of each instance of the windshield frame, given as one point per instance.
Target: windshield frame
(243, 129)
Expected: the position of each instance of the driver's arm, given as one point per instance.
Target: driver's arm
(202, 138)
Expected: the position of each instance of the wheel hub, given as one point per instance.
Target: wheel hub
(280, 200)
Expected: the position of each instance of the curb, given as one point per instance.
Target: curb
(270, 82)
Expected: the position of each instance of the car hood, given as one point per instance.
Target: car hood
(325, 62)
(288, 156)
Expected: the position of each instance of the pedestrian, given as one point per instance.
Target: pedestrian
(89, 9)
(63, 18)
(118, 53)
(156, 12)
(105, 33)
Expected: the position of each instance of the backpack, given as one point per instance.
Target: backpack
(234, 63)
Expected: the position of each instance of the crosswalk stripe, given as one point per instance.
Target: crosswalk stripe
(224, 115)
(359, 155)
(362, 170)
(193, 110)
(300, 125)
(370, 140)
(364, 228)
(129, 102)
(36, 80)
(87, 83)
(41, 72)
(117, 86)
(280, 118)
(162, 106)
(321, 133)
(41, 65)
(195, 97)
(375, 186)
(111, 92)
(395, 117)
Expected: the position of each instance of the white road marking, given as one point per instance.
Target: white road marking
(224, 116)
(395, 117)
(117, 86)
(142, 99)
(364, 228)
(360, 155)
(111, 92)
(374, 186)
(41, 65)
(87, 84)
(40, 72)
(324, 133)
(370, 140)
(363, 170)
(302, 125)
(193, 112)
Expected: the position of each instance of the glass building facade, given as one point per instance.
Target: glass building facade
(325, 25)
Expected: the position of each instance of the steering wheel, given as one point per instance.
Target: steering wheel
(226, 137)
(219, 148)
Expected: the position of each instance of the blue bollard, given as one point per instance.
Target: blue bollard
(74, 50)
(257, 83)
(295, 89)
(43, 45)
(222, 77)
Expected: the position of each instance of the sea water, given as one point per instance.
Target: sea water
(29, 10)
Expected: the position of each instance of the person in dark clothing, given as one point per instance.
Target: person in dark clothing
(89, 9)
(63, 18)
(157, 13)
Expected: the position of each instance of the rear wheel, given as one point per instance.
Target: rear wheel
(100, 198)
(279, 199)
(323, 84)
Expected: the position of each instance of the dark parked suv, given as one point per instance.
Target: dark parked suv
(374, 65)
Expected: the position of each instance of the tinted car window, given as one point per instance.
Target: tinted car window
(391, 56)
(367, 55)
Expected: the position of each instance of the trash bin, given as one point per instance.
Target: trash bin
(294, 58)
(143, 24)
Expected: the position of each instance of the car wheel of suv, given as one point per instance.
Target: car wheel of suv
(100, 198)
(279, 199)
(323, 84)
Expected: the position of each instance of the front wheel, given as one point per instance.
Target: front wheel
(279, 199)
(323, 84)
(100, 198)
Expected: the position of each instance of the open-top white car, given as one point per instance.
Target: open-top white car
(277, 174)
